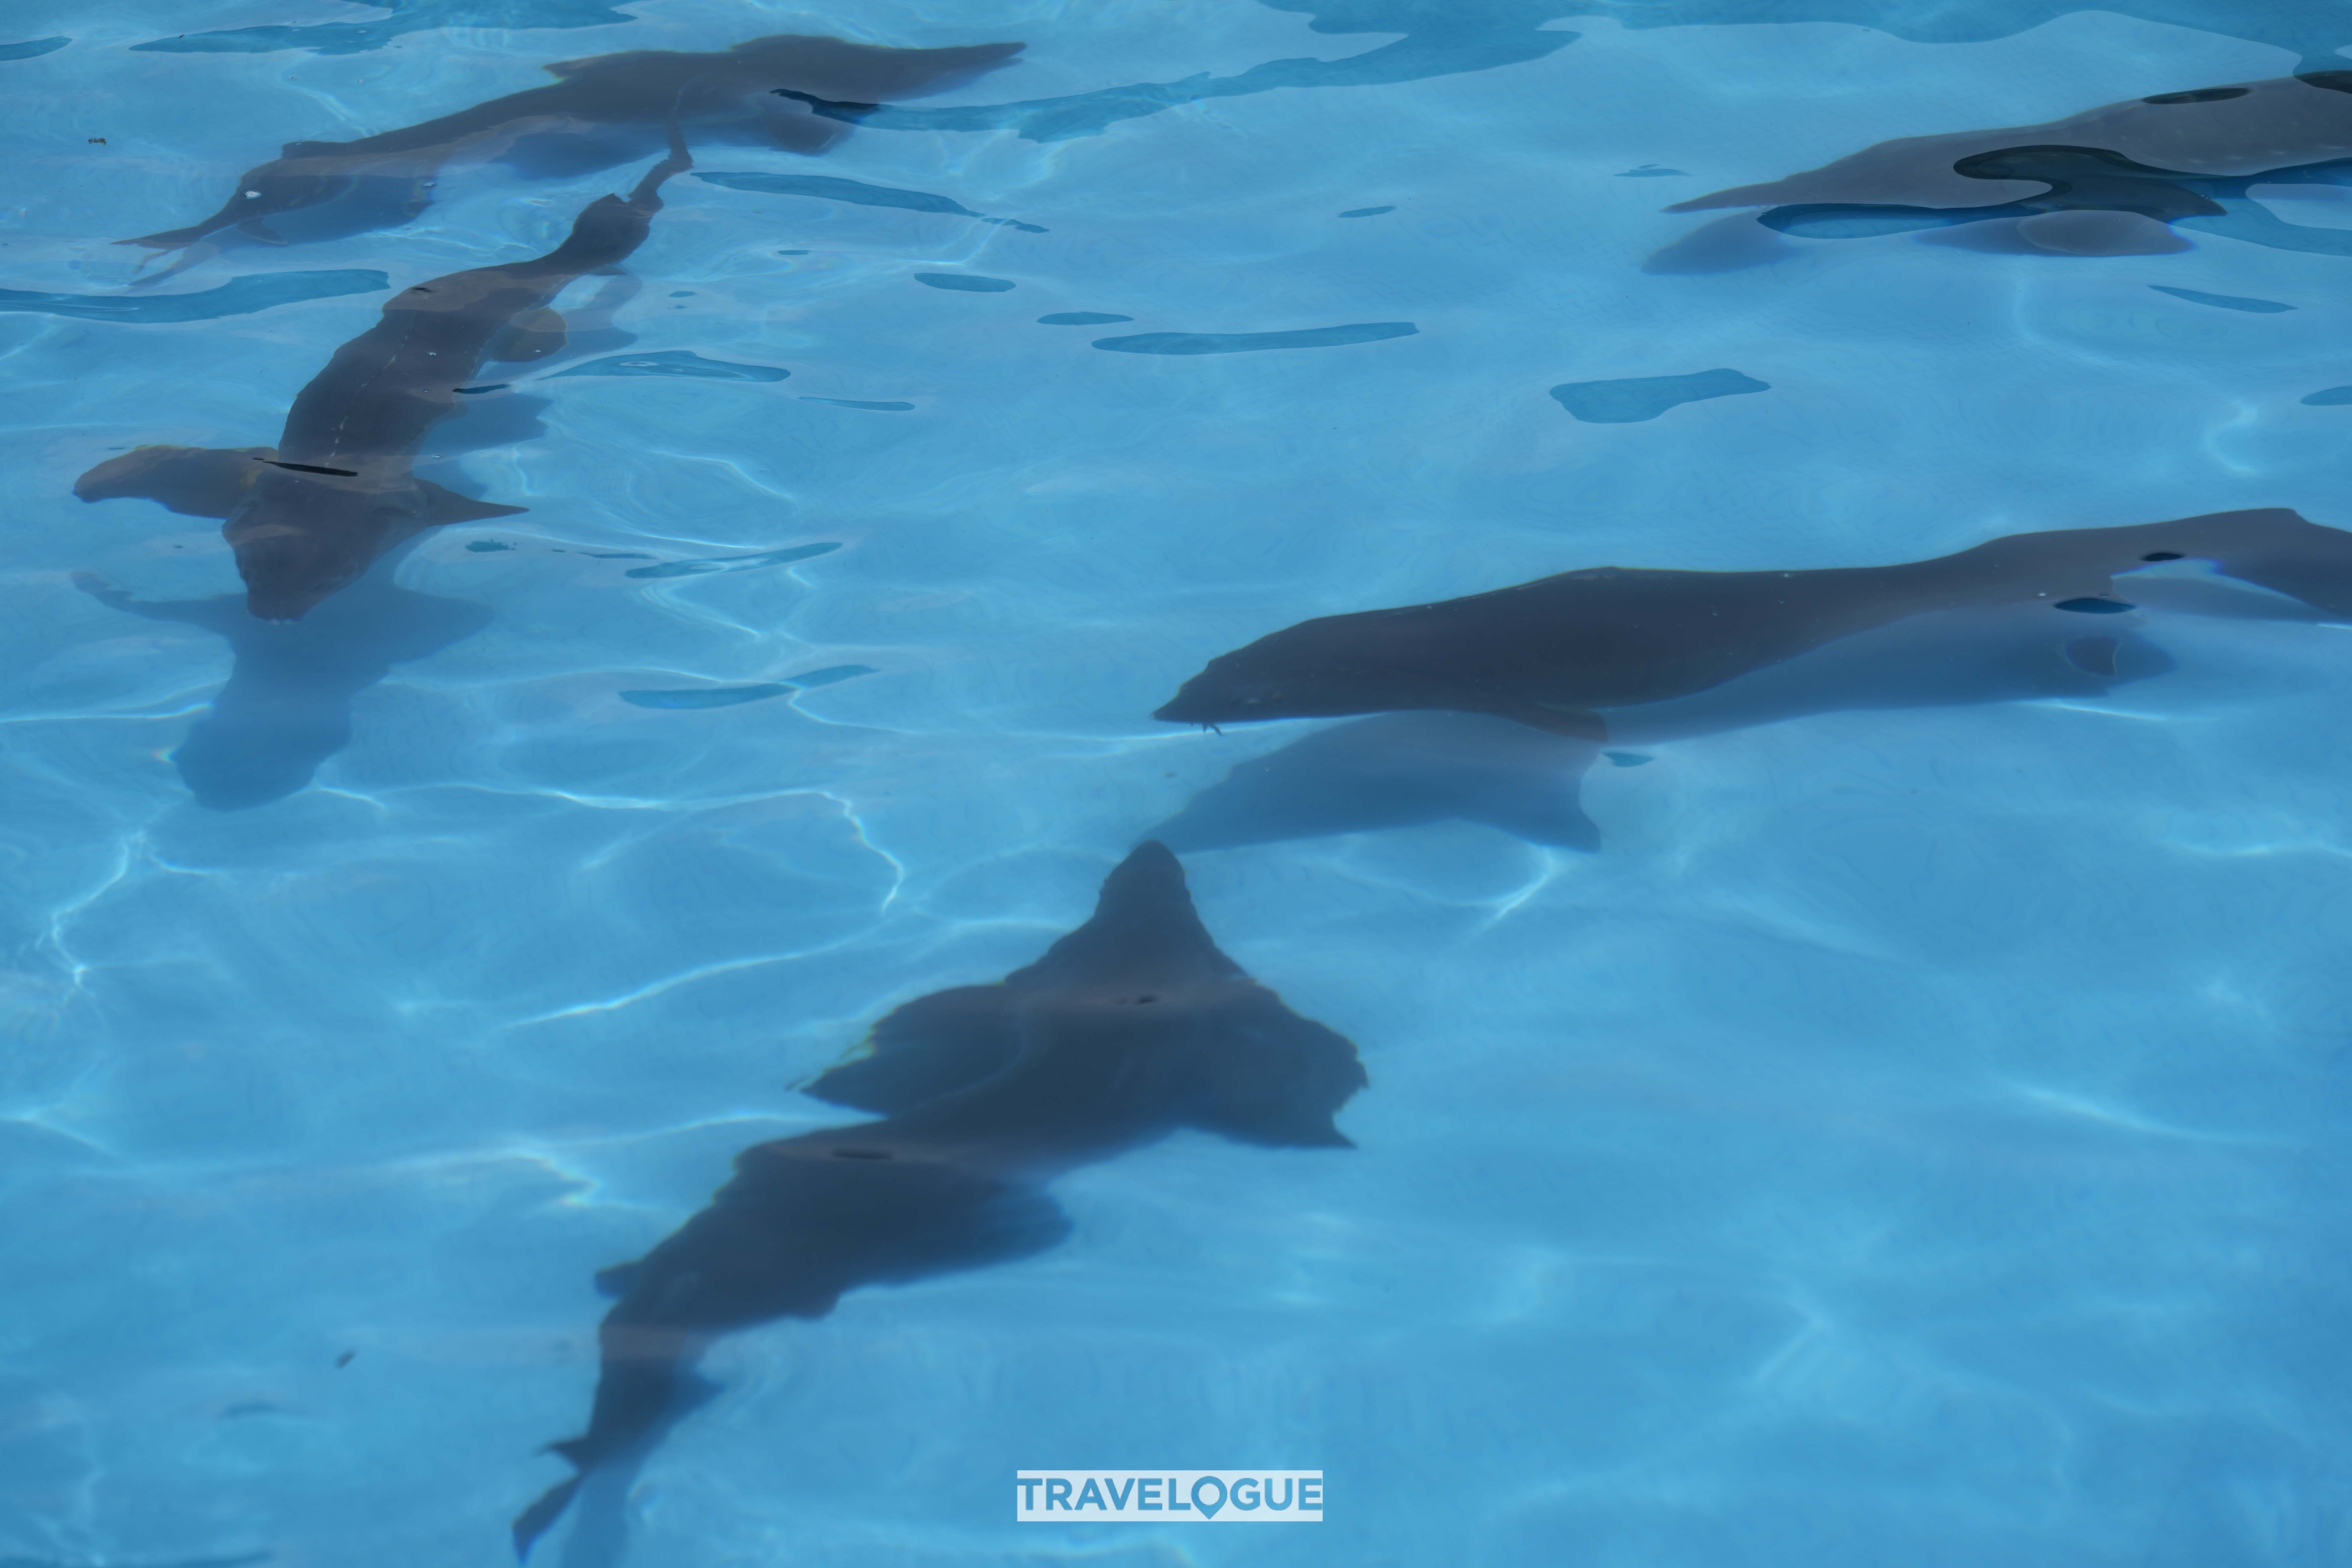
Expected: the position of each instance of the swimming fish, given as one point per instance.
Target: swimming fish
(2107, 181)
(339, 488)
(606, 111)
(1398, 770)
(1129, 1028)
(1554, 652)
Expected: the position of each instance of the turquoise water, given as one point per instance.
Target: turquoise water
(1906, 1132)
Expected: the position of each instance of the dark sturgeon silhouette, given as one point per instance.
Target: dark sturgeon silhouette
(341, 488)
(1397, 769)
(606, 111)
(1129, 1028)
(1555, 652)
(286, 706)
(2110, 181)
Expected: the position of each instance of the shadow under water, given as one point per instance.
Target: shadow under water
(286, 707)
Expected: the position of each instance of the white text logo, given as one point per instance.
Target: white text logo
(1161, 1496)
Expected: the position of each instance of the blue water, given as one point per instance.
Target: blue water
(1908, 1132)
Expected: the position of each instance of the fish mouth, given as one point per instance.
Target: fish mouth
(1209, 712)
(1179, 712)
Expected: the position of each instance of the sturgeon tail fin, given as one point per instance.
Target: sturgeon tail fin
(533, 1523)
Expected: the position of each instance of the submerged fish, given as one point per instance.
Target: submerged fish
(606, 111)
(2107, 181)
(339, 488)
(1129, 1028)
(1554, 652)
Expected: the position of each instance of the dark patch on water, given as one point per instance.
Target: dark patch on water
(2093, 606)
(408, 16)
(1629, 759)
(2222, 302)
(1249, 342)
(735, 563)
(238, 296)
(854, 402)
(964, 283)
(792, 253)
(477, 390)
(345, 1359)
(831, 188)
(1651, 172)
(2330, 399)
(32, 50)
(731, 696)
(2162, 555)
(681, 293)
(1080, 319)
(1367, 212)
(487, 546)
(675, 362)
(1643, 397)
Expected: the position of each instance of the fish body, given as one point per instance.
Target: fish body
(307, 516)
(2246, 128)
(1129, 1027)
(604, 111)
(2113, 180)
(1553, 652)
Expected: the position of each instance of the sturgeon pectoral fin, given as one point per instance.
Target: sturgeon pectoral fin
(194, 482)
(533, 335)
(1272, 1078)
(932, 1046)
(1574, 724)
(445, 506)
